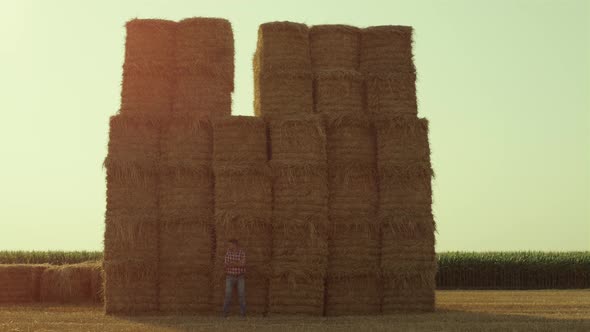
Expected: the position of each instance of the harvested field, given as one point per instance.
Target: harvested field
(456, 311)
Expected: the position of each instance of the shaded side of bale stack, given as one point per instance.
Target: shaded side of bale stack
(386, 61)
(282, 70)
(186, 210)
(131, 221)
(300, 215)
(20, 283)
(408, 260)
(148, 70)
(243, 205)
(76, 283)
(204, 67)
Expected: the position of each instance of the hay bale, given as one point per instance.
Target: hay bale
(350, 141)
(187, 145)
(338, 91)
(148, 71)
(205, 48)
(282, 46)
(239, 139)
(298, 140)
(69, 283)
(185, 266)
(290, 293)
(131, 286)
(198, 96)
(402, 139)
(353, 198)
(96, 283)
(134, 147)
(399, 219)
(19, 283)
(409, 291)
(354, 251)
(283, 93)
(236, 209)
(334, 47)
(391, 94)
(353, 296)
(386, 49)
(186, 198)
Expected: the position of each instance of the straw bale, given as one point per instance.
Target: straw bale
(353, 253)
(148, 71)
(205, 48)
(391, 94)
(198, 95)
(353, 296)
(257, 244)
(242, 201)
(187, 145)
(186, 199)
(283, 93)
(282, 46)
(334, 47)
(131, 286)
(409, 291)
(293, 294)
(96, 283)
(134, 147)
(407, 222)
(300, 201)
(299, 249)
(400, 255)
(387, 49)
(338, 91)
(186, 262)
(185, 293)
(185, 249)
(69, 283)
(297, 139)
(131, 236)
(239, 139)
(150, 40)
(19, 283)
(353, 197)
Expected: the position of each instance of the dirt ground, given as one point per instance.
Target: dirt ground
(548, 310)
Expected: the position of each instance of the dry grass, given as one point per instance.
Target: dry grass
(456, 311)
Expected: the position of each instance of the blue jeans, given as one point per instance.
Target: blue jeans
(230, 282)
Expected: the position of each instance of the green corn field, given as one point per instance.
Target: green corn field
(48, 257)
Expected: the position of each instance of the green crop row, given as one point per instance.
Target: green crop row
(48, 257)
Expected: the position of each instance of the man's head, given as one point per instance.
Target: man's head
(233, 244)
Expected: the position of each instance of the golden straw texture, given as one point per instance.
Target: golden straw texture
(131, 286)
(148, 71)
(338, 92)
(334, 47)
(20, 283)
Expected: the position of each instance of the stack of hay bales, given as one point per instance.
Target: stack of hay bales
(132, 216)
(353, 268)
(284, 97)
(408, 261)
(204, 68)
(76, 283)
(243, 205)
(20, 283)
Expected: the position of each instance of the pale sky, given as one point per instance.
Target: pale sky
(505, 85)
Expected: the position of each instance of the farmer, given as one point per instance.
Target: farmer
(235, 269)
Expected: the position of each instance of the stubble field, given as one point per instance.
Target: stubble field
(545, 310)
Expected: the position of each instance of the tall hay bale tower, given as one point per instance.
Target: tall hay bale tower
(243, 204)
(353, 268)
(408, 262)
(132, 216)
(204, 68)
(284, 97)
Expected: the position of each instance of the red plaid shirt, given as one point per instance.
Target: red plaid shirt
(233, 257)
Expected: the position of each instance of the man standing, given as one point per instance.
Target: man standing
(235, 269)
